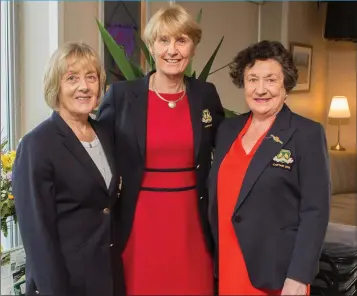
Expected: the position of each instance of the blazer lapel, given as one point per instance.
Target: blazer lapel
(76, 148)
(266, 152)
(108, 150)
(229, 135)
(195, 103)
(139, 106)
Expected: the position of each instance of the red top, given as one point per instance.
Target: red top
(233, 274)
(166, 252)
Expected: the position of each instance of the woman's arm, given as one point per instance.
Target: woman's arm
(35, 202)
(314, 182)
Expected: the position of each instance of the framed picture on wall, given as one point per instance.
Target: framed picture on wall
(302, 55)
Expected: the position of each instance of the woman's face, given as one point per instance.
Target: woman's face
(172, 54)
(264, 87)
(79, 89)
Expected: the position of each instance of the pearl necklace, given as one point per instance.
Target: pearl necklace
(171, 104)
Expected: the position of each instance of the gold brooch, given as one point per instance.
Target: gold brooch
(276, 139)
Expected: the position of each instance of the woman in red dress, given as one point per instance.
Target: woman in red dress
(164, 127)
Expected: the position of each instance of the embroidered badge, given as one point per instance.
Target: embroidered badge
(206, 116)
(276, 139)
(283, 159)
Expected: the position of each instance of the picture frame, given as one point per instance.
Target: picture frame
(302, 55)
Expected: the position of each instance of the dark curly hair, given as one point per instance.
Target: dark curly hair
(262, 51)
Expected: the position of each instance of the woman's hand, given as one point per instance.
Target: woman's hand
(292, 287)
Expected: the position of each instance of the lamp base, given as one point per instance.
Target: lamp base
(338, 147)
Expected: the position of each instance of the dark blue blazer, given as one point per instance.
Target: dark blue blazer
(282, 210)
(65, 213)
(124, 113)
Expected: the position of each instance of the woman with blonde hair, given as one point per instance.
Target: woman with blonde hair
(65, 185)
(164, 128)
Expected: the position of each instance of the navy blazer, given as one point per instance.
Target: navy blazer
(124, 113)
(282, 211)
(64, 212)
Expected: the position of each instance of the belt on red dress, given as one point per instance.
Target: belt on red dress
(169, 179)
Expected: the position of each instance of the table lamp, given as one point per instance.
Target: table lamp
(339, 109)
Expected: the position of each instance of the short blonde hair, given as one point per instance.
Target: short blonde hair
(174, 20)
(58, 66)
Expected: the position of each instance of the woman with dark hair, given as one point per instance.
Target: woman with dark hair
(269, 183)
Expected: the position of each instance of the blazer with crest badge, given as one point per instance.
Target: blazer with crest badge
(65, 210)
(124, 113)
(282, 211)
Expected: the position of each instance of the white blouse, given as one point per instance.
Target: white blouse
(96, 152)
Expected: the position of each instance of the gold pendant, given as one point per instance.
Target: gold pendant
(172, 105)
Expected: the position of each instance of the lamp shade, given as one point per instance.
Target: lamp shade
(339, 108)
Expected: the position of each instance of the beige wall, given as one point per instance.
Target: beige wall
(306, 23)
(35, 50)
(79, 22)
(341, 80)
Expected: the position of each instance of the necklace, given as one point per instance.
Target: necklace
(171, 104)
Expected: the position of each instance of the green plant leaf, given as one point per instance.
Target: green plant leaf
(188, 70)
(204, 74)
(229, 113)
(145, 51)
(199, 16)
(118, 53)
(194, 74)
(137, 70)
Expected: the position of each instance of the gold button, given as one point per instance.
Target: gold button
(106, 211)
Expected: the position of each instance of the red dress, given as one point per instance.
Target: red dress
(166, 252)
(233, 274)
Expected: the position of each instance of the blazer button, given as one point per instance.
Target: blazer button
(106, 211)
(237, 219)
(197, 167)
(111, 245)
(201, 197)
(37, 292)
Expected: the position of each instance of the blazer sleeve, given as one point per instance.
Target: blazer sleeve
(314, 181)
(218, 110)
(35, 203)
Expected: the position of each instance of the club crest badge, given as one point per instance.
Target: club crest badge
(283, 159)
(206, 116)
